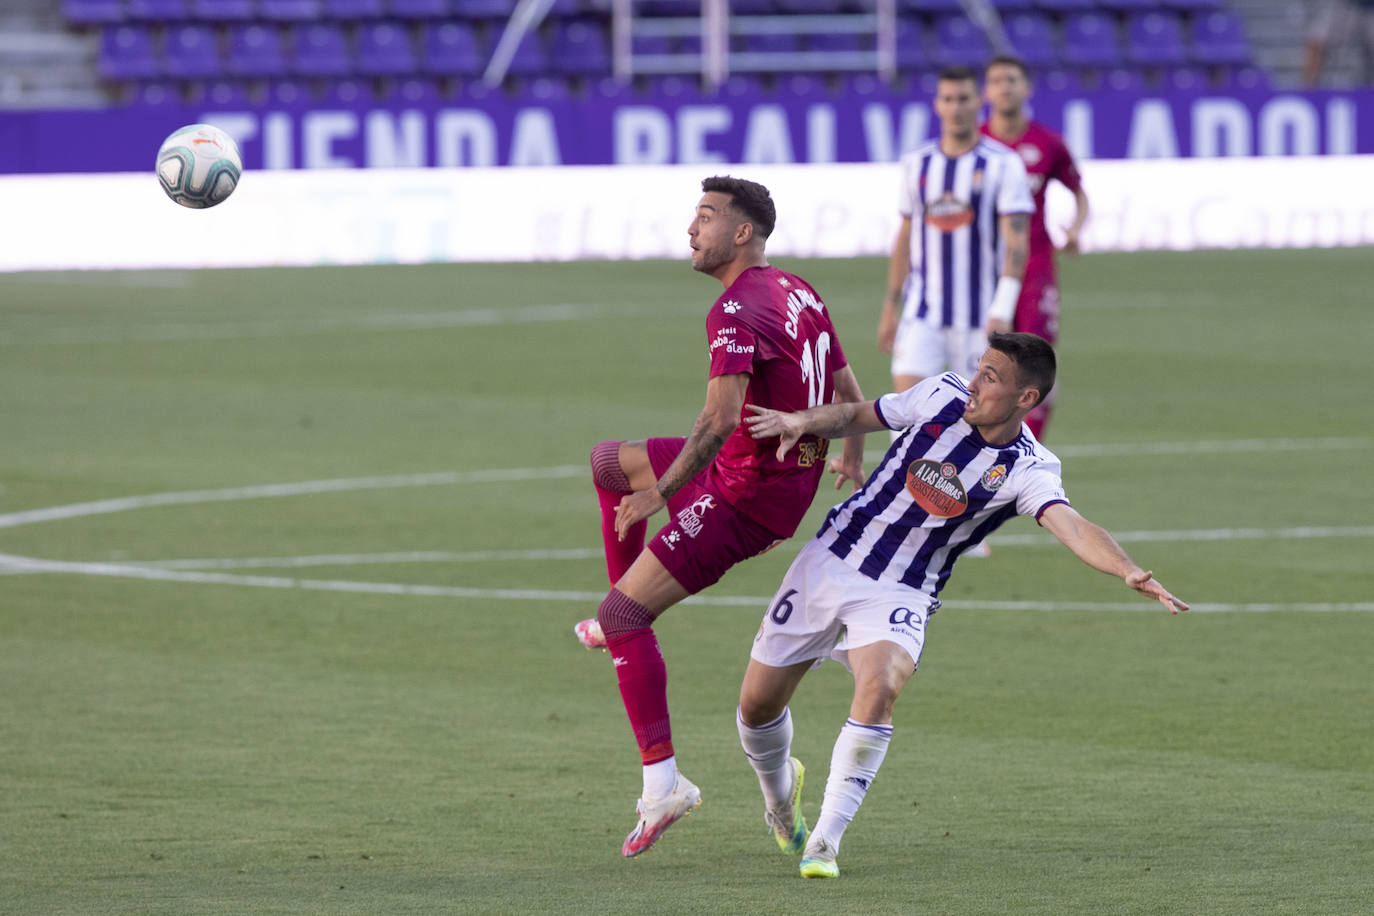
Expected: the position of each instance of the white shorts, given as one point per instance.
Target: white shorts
(825, 607)
(925, 350)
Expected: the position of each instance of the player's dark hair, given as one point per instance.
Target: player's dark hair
(1034, 359)
(748, 197)
(1009, 60)
(958, 74)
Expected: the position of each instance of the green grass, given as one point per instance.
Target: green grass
(191, 747)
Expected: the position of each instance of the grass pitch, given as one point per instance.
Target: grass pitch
(364, 697)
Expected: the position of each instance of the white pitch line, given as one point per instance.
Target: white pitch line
(368, 559)
(156, 333)
(265, 491)
(29, 564)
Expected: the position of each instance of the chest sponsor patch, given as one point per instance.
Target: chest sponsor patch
(948, 213)
(936, 487)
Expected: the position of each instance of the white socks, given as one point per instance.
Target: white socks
(859, 751)
(767, 748)
(659, 778)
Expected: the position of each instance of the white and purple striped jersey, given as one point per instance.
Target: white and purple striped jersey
(954, 205)
(940, 489)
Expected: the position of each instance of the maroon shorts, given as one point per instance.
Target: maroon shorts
(1037, 311)
(704, 536)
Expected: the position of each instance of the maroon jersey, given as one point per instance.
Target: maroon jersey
(1046, 157)
(773, 326)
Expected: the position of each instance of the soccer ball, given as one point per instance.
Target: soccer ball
(199, 166)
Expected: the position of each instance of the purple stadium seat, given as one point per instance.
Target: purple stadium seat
(321, 50)
(929, 7)
(289, 10)
(1008, 6)
(1123, 79)
(529, 57)
(354, 9)
(911, 44)
(93, 12)
(349, 92)
(742, 86)
(1032, 35)
(846, 42)
(1090, 40)
(1067, 6)
(1194, 6)
(1155, 39)
(155, 93)
(224, 10)
(581, 46)
(384, 49)
(156, 10)
(226, 94)
(451, 49)
(420, 9)
(1219, 38)
(256, 50)
(1187, 79)
(959, 41)
(753, 7)
(488, 9)
(128, 52)
(1059, 81)
(1129, 6)
(289, 92)
(417, 92)
(668, 7)
(193, 52)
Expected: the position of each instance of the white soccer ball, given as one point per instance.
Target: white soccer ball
(199, 166)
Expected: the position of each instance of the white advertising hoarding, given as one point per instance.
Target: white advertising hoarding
(621, 212)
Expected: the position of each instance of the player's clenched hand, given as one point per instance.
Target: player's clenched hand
(768, 422)
(1070, 245)
(636, 507)
(851, 471)
(998, 326)
(1144, 582)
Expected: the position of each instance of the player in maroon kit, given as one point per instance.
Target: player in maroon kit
(1007, 87)
(771, 343)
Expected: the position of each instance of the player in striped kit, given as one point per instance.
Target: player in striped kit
(960, 253)
(863, 590)
(1007, 87)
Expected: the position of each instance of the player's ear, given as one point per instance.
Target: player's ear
(1028, 398)
(744, 233)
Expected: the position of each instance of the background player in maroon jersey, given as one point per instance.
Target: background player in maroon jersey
(771, 343)
(1007, 88)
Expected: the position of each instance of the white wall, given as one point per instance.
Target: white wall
(622, 212)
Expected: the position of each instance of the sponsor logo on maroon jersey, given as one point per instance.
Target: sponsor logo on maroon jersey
(936, 487)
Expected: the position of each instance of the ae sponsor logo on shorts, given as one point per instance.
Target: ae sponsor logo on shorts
(906, 622)
(936, 487)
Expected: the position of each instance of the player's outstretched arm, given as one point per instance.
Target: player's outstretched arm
(1096, 547)
(850, 465)
(898, 267)
(717, 420)
(829, 421)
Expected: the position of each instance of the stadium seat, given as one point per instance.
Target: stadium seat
(1193, 6)
(289, 92)
(193, 52)
(1057, 80)
(959, 41)
(840, 42)
(92, 12)
(417, 92)
(488, 9)
(1032, 36)
(529, 58)
(1187, 78)
(929, 7)
(289, 10)
(1009, 6)
(451, 49)
(226, 93)
(743, 87)
(354, 9)
(256, 50)
(1154, 39)
(321, 50)
(580, 46)
(1068, 6)
(548, 89)
(128, 52)
(1124, 79)
(154, 93)
(384, 49)
(224, 10)
(911, 44)
(1090, 40)
(753, 7)
(349, 92)
(420, 9)
(156, 10)
(1128, 6)
(1219, 38)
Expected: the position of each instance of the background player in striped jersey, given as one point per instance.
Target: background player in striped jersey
(771, 343)
(864, 588)
(1007, 88)
(961, 247)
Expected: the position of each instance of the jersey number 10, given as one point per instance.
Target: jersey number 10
(813, 368)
